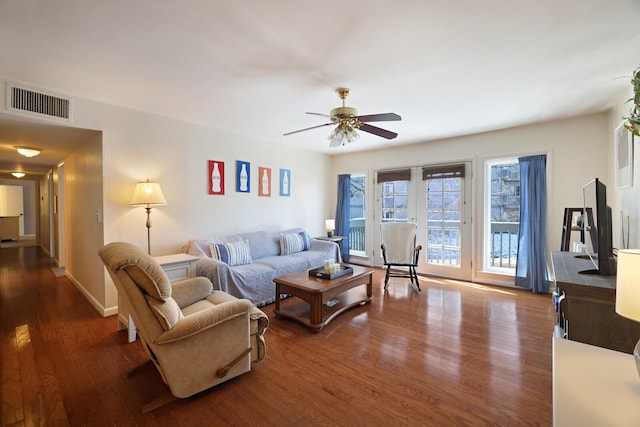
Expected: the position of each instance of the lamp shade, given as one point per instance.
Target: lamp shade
(628, 284)
(330, 224)
(149, 194)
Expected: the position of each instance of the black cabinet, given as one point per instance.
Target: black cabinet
(586, 306)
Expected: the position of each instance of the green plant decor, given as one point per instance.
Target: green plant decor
(632, 122)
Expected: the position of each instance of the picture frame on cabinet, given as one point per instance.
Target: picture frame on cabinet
(624, 157)
(216, 177)
(243, 176)
(285, 182)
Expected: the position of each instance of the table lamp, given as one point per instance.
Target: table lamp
(148, 194)
(330, 225)
(628, 290)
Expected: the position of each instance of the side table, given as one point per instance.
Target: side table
(335, 239)
(178, 267)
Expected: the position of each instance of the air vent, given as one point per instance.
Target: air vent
(23, 100)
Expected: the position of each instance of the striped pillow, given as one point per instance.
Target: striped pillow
(291, 243)
(232, 253)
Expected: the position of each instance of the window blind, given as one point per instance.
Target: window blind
(394, 175)
(444, 171)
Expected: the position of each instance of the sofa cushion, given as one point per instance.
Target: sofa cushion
(291, 243)
(262, 243)
(167, 312)
(232, 253)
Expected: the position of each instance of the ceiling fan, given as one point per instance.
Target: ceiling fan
(347, 121)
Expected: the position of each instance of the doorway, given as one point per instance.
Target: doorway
(438, 199)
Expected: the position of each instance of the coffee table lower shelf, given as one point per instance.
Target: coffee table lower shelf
(300, 310)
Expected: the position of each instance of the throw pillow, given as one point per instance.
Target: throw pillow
(167, 312)
(150, 278)
(291, 243)
(232, 253)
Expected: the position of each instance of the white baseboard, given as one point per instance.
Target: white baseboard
(104, 311)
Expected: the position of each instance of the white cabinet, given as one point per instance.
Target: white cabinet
(593, 386)
(178, 266)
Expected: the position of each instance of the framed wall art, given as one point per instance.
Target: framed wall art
(624, 157)
(216, 177)
(243, 177)
(264, 182)
(285, 182)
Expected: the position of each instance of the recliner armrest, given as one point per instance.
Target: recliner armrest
(188, 291)
(205, 319)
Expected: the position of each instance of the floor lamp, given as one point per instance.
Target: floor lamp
(628, 290)
(148, 194)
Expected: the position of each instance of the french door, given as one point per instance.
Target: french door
(436, 198)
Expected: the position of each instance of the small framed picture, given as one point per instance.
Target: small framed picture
(243, 177)
(264, 182)
(216, 177)
(285, 182)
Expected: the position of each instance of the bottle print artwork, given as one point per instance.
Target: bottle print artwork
(215, 179)
(285, 183)
(265, 182)
(243, 178)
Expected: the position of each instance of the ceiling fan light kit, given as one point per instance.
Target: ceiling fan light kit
(347, 121)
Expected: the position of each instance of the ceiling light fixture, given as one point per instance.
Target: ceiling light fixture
(18, 174)
(343, 134)
(28, 152)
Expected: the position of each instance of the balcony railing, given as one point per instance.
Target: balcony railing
(503, 250)
(356, 235)
(356, 238)
(504, 244)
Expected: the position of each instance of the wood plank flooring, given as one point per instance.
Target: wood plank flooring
(456, 354)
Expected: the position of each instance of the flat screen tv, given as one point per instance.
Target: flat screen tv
(597, 229)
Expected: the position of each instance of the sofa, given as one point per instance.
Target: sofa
(245, 264)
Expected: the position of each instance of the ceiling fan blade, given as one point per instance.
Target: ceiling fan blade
(312, 127)
(383, 117)
(319, 114)
(378, 131)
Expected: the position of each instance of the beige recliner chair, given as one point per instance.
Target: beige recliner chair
(196, 337)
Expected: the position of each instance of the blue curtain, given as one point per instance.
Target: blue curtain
(531, 265)
(342, 213)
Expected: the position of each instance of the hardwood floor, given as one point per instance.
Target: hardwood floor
(455, 354)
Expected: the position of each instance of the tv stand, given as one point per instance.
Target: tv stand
(586, 308)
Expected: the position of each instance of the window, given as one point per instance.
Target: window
(394, 200)
(444, 225)
(502, 219)
(357, 243)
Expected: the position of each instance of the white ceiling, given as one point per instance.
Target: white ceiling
(255, 67)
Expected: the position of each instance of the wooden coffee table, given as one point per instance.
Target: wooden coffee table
(322, 299)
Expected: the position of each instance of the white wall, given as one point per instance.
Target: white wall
(137, 146)
(577, 151)
(83, 175)
(625, 202)
(44, 208)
